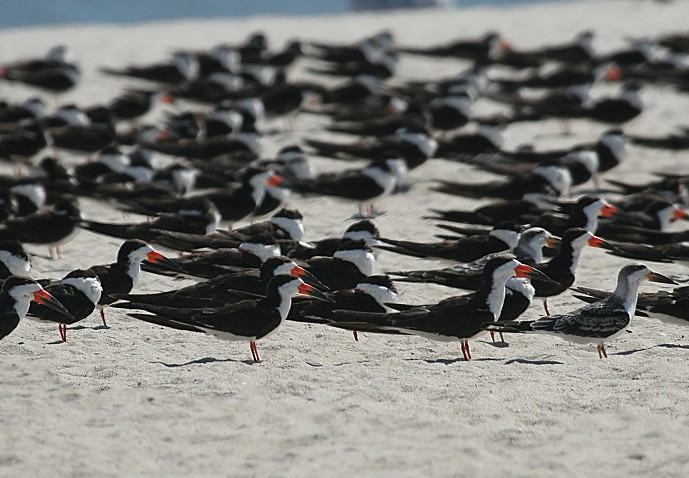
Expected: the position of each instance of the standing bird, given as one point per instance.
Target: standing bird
(120, 277)
(79, 292)
(457, 318)
(16, 295)
(597, 322)
(54, 227)
(249, 320)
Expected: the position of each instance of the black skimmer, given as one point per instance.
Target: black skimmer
(620, 109)
(352, 52)
(380, 64)
(249, 320)
(209, 264)
(197, 216)
(562, 268)
(247, 140)
(286, 224)
(583, 213)
(14, 261)
(671, 252)
(233, 204)
(488, 138)
(658, 215)
(363, 230)
(582, 164)
(529, 249)
(109, 160)
(135, 103)
(98, 134)
(494, 213)
(451, 112)
(16, 296)
(350, 264)
(670, 307)
(485, 49)
(227, 288)
(598, 322)
(580, 74)
(121, 276)
(79, 291)
(57, 72)
(364, 185)
(32, 109)
(579, 50)
(29, 196)
(544, 178)
(457, 318)
(26, 141)
(466, 249)
(381, 126)
(413, 144)
(182, 68)
(285, 58)
(372, 294)
(54, 227)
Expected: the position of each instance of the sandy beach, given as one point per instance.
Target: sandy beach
(138, 400)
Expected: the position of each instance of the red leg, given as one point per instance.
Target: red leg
(492, 336)
(602, 349)
(59, 252)
(465, 351)
(50, 251)
(468, 349)
(102, 317)
(502, 338)
(356, 335)
(545, 306)
(254, 352)
(62, 328)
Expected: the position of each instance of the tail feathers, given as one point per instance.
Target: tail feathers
(544, 324)
(406, 248)
(124, 231)
(182, 240)
(402, 250)
(156, 320)
(585, 298)
(593, 293)
(323, 148)
(626, 187)
(460, 189)
(639, 252)
(343, 129)
(468, 217)
(165, 313)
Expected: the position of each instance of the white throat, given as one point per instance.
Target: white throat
(363, 260)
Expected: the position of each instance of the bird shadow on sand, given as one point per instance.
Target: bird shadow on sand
(498, 345)
(665, 346)
(99, 327)
(453, 361)
(202, 361)
(674, 346)
(633, 351)
(532, 362)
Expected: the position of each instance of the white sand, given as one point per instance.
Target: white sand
(138, 400)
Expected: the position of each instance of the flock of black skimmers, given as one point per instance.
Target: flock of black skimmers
(204, 163)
